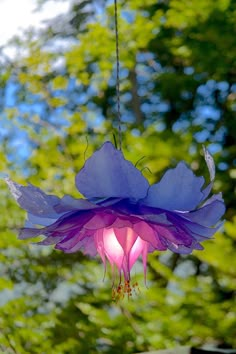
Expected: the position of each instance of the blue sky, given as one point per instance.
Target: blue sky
(16, 15)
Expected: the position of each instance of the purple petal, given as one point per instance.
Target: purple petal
(70, 222)
(120, 223)
(69, 242)
(171, 234)
(33, 200)
(89, 247)
(100, 221)
(86, 245)
(107, 174)
(98, 238)
(51, 240)
(148, 234)
(26, 233)
(179, 189)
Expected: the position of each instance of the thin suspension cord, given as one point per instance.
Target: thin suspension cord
(118, 74)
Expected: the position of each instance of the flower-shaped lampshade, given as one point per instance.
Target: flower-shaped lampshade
(122, 217)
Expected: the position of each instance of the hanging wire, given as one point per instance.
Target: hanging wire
(118, 74)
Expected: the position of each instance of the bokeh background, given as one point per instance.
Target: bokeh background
(58, 104)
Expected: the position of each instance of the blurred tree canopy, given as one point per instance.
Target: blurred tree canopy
(178, 90)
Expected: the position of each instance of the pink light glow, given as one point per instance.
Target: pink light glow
(121, 247)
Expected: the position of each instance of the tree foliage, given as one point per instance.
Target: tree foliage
(58, 105)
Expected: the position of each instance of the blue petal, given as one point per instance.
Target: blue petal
(210, 213)
(179, 189)
(33, 200)
(107, 174)
(181, 249)
(201, 230)
(207, 190)
(33, 220)
(68, 203)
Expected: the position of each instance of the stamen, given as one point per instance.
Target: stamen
(126, 289)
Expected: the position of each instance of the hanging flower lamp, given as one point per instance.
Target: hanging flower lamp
(122, 217)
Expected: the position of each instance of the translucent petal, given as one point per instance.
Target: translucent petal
(210, 163)
(68, 203)
(33, 199)
(148, 234)
(209, 214)
(113, 250)
(179, 189)
(107, 174)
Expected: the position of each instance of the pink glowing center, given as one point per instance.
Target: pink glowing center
(121, 247)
